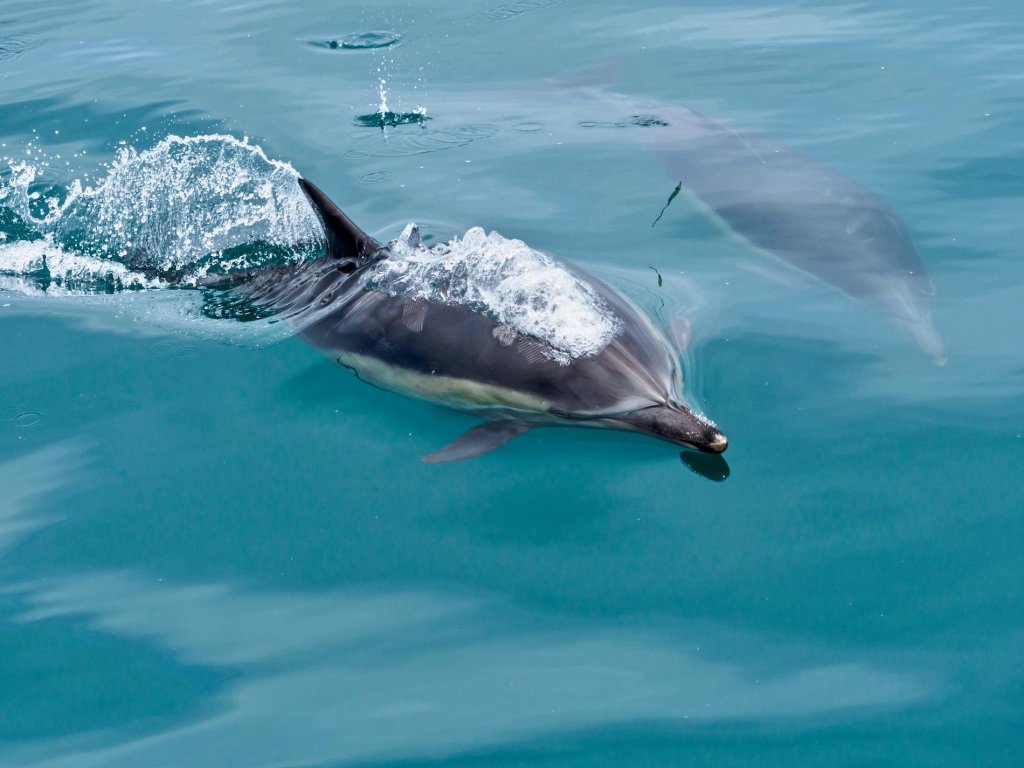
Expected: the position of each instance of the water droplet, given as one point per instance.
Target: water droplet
(418, 142)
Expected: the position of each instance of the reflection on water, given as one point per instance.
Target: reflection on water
(353, 675)
(711, 466)
(27, 480)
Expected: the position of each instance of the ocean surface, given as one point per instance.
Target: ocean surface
(220, 548)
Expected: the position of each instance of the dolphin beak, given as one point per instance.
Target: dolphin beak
(717, 444)
(677, 424)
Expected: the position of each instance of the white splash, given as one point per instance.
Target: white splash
(153, 218)
(523, 289)
(56, 271)
(174, 207)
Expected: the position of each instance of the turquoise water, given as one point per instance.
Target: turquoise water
(219, 548)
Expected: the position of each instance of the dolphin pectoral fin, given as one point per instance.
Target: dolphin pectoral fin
(478, 441)
(679, 334)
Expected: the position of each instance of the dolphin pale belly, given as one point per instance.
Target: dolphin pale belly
(805, 213)
(486, 325)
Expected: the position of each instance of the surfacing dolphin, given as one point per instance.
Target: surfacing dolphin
(802, 211)
(485, 325)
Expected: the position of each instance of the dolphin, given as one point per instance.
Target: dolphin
(802, 211)
(459, 354)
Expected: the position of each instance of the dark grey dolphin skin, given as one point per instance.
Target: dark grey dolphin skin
(802, 211)
(455, 356)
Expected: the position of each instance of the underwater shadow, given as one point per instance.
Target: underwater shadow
(711, 466)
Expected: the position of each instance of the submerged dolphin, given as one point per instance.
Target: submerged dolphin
(393, 332)
(798, 209)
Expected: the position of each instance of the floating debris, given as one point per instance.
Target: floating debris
(671, 197)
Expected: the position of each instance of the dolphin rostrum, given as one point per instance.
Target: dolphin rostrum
(485, 325)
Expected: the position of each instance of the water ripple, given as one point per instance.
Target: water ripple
(641, 121)
(12, 46)
(359, 41)
(512, 10)
(27, 420)
(423, 142)
(375, 177)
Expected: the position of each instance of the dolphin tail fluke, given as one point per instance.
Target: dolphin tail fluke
(345, 241)
(481, 439)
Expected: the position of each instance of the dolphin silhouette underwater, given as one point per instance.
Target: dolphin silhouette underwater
(485, 325)
(804, 212)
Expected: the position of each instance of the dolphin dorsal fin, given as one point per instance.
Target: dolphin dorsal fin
(345, 241)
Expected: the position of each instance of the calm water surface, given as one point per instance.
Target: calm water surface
(216, 550)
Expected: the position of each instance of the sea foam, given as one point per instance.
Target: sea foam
(527, 291)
